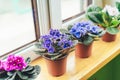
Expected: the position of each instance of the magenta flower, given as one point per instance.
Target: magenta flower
(13, 63)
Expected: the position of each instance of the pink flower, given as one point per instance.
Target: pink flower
(13, 63)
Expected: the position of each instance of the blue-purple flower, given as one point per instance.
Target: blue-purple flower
(55, 41)
(82, 29)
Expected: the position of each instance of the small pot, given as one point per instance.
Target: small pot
(56, 67)
(108, 37)
(83, 51)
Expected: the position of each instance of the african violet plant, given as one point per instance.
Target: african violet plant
(54, 45)
(16, 68)
(84, 32)
(108, 18)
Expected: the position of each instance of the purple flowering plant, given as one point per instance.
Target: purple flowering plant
(16, 68)
(54, 45)
(84, 32)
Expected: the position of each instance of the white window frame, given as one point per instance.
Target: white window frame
(55, 14)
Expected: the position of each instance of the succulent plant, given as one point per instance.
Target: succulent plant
(28, 73)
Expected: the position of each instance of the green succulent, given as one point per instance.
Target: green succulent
(29, 73)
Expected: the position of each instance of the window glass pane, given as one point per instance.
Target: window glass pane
(16, 24)
(71, 8)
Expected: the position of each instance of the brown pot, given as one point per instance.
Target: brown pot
(83, 51)
(56, 67)
(108, 37)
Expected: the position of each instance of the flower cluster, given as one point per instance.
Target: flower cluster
(81, 29)
(55, 41)
(13, 63)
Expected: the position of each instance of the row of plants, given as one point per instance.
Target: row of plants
(56, 46)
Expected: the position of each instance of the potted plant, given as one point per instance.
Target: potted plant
(85, 33)
(16, 68)
(107, 18)
(54, 48)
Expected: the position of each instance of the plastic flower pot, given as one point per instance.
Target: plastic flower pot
(108, 37)
(56, 67)
(83, 51)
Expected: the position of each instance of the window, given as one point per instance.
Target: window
(66, 12)
(18, 24)
(73, 8)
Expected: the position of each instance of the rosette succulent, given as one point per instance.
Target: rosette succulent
(108, 17)
(16, 68)
(54, 45)
(84, 32)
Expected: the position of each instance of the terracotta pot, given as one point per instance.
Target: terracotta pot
(83, 51)
(108, 37)
(56, 67)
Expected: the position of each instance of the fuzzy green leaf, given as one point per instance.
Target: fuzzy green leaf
(69, 27)
(11, 77)
(96, 17)
(22, 76)
(95, 8)
(40, 52)
(64, 31)
(112, 30)
(88, 40)
(28, 68)
(115, 23)
(118, 5)
(28, 60)
(37, 69)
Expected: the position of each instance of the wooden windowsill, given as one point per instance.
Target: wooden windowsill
(82, 69)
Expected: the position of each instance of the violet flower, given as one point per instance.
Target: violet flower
(55, 41)
(81, 29)
(13, 63)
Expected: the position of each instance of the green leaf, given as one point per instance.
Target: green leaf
(64, 31)
(11, 73)
(40, 52)
(96, 17)
(112, 30)
(106, 19)
(37, 67)
(95, 8)
(69, 27)
(28, 68)
(22, 76)
(118, 5)
(28, 60)
(38, 45)
(115, 23)
(88, 40)
(11, 77)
